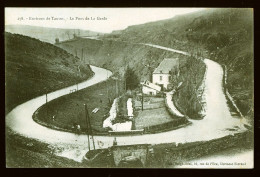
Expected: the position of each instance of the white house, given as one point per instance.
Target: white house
(162, 74)
(150, 88)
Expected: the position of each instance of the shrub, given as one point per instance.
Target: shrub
(186, 97)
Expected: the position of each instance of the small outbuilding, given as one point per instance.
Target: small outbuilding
(150, 88)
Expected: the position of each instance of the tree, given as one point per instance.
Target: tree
(57, 40)
(131, 79)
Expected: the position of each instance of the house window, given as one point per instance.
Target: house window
(160, 78)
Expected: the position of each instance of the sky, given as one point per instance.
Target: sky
(95, 19)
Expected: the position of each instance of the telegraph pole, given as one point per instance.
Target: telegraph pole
(87, 125)
(107, 88)
(46, 94)
(82, 55)
(76, 52)
(142, 98)
(116, 89)
(46, 98)
(125, 77)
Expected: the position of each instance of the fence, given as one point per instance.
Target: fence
(228, 96)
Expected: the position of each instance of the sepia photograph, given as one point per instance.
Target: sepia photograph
(169, 88)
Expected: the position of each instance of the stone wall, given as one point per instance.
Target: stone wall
(174, 124)
(230, 100)
(139, 151)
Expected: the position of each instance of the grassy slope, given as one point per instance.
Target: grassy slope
(22, 152)
(32, 65)
(224, 35)
(69, 109)
(115, 55)
(186, 99)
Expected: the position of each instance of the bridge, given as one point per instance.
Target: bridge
(131, 155)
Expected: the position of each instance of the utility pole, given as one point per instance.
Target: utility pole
(125, 85)
(116, 89)
(82, 55)
(107, 89)
(125, 77)
(118, 86)
(142, 99)
(87, 125)
(46, 103)
(77, 86)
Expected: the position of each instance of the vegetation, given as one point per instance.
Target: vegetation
(131, 79)
(33, 68)
(151, 117)
(154, 112)
(169, 155)
(116, 55)
(122, 114)
(186, 97)
(223, 35)
(69, 109)
(23, 152)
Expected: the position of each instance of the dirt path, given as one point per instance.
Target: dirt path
(216, 123)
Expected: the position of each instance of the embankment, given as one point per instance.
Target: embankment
(172, 154)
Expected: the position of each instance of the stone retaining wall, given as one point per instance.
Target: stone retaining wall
(174, 124)
(230, 100)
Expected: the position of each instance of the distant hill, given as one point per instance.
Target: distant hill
(48, 34)
(196, 24)
(33, 68)
(116, 55)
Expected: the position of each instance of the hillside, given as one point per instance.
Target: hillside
(48, 34)
(33, 68)
(116, 55)
(223, 35)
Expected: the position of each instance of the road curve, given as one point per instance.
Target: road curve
(20, 119)
(216, 123)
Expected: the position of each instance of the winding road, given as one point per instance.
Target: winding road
(217, 122)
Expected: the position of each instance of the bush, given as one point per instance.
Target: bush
(131, 79)
(186, 98)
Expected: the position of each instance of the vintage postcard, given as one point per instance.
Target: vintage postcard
(129, 87)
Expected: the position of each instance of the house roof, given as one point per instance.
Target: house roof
(151, 85)
(166, 65)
